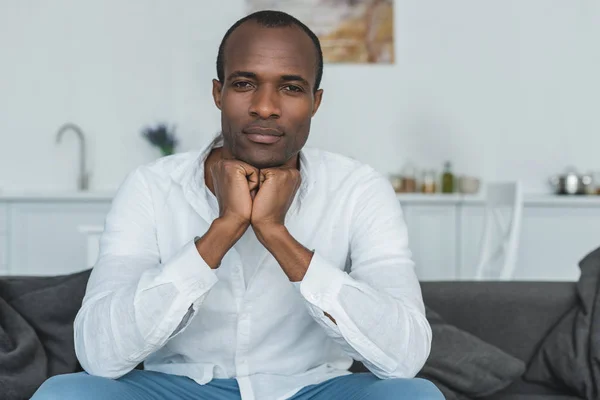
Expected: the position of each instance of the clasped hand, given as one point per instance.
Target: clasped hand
(249, 196)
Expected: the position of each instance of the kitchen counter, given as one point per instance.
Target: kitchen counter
(530, 199)
(444, 232)
(31, 195)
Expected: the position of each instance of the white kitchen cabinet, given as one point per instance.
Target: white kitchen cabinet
(3, 239)
(552, 241)
(92, 233)
(470, 236)
(53, 234)
(555, 240)
(45, 237)
(432, 239)
(3, 218)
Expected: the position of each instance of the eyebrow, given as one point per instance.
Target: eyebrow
(295, 78)
(252, 75)
(241, 74)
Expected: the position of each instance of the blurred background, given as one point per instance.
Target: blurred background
(500, 90)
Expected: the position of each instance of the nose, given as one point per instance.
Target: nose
(265, 103)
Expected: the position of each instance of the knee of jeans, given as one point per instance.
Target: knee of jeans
(61, 387)
(413, 389)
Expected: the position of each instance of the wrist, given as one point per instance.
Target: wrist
(216, 242)
(267, 232)
(231, 226)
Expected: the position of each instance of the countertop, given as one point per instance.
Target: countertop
(530, 199)
(49, 195)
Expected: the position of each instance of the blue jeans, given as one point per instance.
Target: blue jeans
(149, 385)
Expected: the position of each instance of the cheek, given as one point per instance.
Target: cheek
(234, 105)
(299, 112)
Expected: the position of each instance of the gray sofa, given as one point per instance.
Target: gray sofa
(514, 316)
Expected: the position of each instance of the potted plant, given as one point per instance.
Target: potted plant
(163, 137)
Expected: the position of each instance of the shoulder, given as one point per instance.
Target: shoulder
(344, 173)
(161, 173)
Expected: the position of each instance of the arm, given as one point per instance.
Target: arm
(376, 312)
(135, 301)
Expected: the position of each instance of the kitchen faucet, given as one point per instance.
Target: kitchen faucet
(83, 179)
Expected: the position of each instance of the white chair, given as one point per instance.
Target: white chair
(500, 241)
(92, 237)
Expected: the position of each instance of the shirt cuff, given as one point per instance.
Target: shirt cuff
(188, 271)
(322, 283)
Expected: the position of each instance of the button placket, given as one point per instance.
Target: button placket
(243, 341)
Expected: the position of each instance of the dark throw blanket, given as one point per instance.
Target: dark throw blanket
(570, 355)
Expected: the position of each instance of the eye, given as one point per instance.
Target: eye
(243, 85)
(293, 88)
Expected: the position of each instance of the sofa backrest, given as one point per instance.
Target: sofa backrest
(514, 316)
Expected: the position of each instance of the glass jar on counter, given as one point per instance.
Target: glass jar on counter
(429, 182)
(409, 179)
(396, 181)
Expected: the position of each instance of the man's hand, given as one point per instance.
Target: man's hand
(278, 186)
(235, 183)
(276, 192)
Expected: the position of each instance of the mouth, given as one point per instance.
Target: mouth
(262, 135)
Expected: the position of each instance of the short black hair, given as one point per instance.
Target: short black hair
(272, 19)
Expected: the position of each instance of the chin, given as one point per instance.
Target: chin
(260, 162)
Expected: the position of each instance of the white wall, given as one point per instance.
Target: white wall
(505, 89)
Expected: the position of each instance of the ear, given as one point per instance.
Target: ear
(317, 103)
(216, 92)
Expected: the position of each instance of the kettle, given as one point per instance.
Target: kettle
(571, 183)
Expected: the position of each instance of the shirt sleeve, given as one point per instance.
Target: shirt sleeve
(135, 301)
(378, 306)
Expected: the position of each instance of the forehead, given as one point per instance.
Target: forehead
(270, 51)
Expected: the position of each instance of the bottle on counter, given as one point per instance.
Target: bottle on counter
(447, 179)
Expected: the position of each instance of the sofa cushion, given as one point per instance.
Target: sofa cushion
(467, 364)
(462, 365)
(531, 397)
(521, 386)
(49, 305)
(22, 357)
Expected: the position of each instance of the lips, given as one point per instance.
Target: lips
(262, 135)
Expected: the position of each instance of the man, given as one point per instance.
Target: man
(253, 270)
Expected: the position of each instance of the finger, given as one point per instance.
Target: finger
(252, 181)
(251, 175)
(249, 169)
(263, 177)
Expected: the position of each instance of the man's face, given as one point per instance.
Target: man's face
(267, 98)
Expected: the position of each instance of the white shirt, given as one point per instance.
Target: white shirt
(151, 297)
